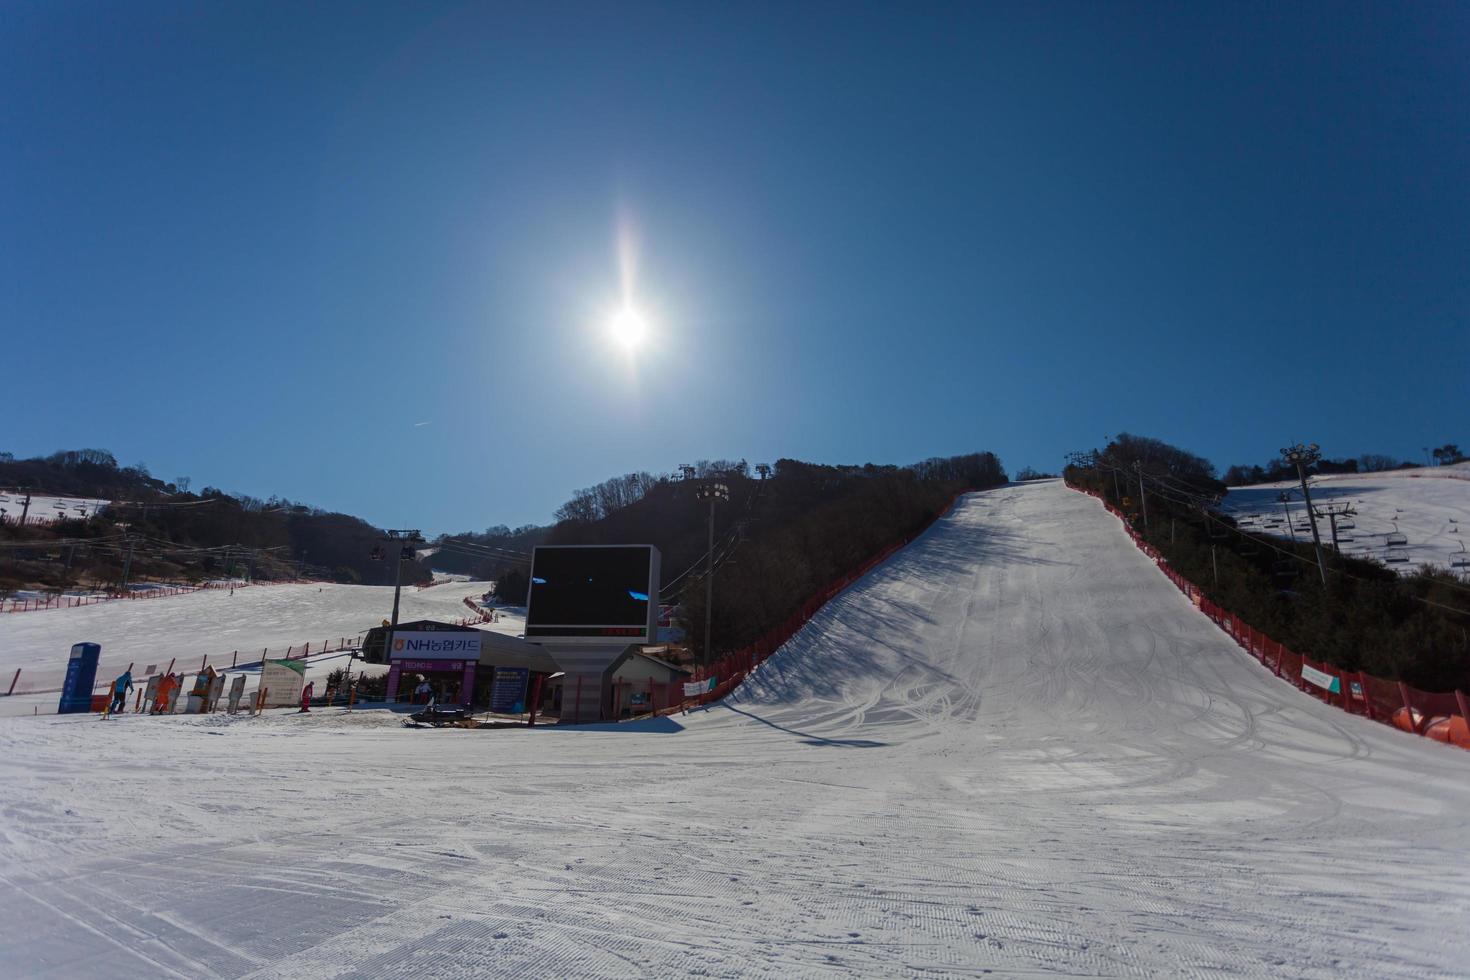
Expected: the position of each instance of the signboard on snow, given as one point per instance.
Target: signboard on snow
(81, 677)
(508, 690)
(693, 689)
(441, 645)
(1321, 679)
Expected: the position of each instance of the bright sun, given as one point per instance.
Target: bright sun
(628, 328)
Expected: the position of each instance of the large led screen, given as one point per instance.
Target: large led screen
(591, 591)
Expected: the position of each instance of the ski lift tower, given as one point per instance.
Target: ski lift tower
(1303, 456)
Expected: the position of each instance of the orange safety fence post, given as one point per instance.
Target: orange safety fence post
(1367, 701)
(1408, 708)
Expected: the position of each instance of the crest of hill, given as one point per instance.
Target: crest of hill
(778, 539)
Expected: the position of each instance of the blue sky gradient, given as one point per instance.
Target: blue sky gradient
(259, 243)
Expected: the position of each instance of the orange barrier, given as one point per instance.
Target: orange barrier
(1440, 716)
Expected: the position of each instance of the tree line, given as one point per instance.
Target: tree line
(176, 535)
(780, 539)
(1278, 469)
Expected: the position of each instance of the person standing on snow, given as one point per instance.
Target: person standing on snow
(306, 693)
(120, 689)
(164, 694)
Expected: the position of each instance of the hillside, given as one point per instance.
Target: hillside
(1013, 748)
(171, 533)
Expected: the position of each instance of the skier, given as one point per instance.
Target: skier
(120, 689)
(306, 693)
(422, 692)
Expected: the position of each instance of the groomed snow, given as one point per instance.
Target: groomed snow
(1429, 506)
(47, 510)
(1013, 748)
(213, 622)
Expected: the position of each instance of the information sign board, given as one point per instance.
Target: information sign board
(1322, 679)
(508, 690)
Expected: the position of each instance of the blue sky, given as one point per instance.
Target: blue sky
(258, 244)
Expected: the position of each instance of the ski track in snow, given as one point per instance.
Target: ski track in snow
(1015, 747)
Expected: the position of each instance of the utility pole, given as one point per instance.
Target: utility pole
(226, 567)
(1214, 567)
(1304, 456)
(1142, 494)
(25, 509)
(711, 492)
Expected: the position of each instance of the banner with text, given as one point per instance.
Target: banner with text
(441, 645)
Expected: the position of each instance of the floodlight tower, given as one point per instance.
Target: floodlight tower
(711, 492)
(1142, 494)
(1303, 456)
(404, 538)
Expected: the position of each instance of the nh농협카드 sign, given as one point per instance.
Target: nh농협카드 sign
(1322, 679)
(441, 645)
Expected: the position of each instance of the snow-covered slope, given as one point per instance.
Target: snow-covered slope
(47, 510)
(1013, 748)
(214, 622)
(1429, 507)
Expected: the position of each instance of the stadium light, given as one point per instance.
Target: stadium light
(711, 492)
(1303, 456)
(405, 537)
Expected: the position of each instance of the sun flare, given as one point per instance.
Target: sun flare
(629, 328)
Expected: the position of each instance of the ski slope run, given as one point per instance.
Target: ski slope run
(1428, 508)
(213, 622)
(1013, 748)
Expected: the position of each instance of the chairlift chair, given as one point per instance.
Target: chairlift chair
(1461, 558)
(1396, 540)
(1396, 556)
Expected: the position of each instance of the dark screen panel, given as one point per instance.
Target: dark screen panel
(589, 587)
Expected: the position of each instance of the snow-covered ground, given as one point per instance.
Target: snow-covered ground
(1013, 748)
(213, 622)
(46, 510)
(1429, 507)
